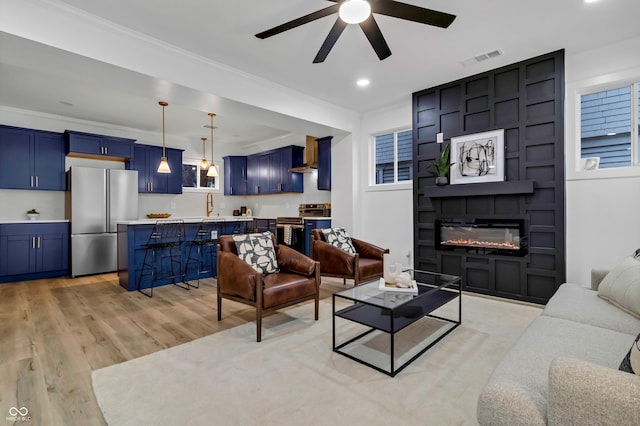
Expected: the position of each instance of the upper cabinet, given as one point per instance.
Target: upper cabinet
(146, 159)
(268, 172)
(235, 175)
(31, 159)
(89, 145)
(324, 163)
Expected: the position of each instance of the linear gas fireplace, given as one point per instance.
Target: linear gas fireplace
(482, 236)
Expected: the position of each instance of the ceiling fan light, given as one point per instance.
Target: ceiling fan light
(354, 11)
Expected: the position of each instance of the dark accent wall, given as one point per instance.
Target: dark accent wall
(525, 99)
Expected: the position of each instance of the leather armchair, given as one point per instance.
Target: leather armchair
(365, 265)
(298, 280)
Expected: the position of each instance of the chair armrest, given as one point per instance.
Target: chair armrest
(295, 261)
(596, 277)
(333, 260)
(236, 277)
(581, 392)
(368, 250)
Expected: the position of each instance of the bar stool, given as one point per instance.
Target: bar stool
(205, 240)
(165, 242)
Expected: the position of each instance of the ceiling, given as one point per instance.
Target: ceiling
(223, 31)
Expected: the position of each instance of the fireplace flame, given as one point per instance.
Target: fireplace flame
(482, 244)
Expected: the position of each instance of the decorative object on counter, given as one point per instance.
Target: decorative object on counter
(480, 157)
(158, 215)
(249, 213)
(33, 214)
(204, 164)
(213, 172)
(164, 165)
(236, 212)
(441, 166)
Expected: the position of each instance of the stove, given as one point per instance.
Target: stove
(290, 230)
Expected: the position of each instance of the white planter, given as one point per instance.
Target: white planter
(33, 216)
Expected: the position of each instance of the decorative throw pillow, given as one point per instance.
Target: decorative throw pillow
(258, 251)
(621, 286)
(338, 237)
(631, 362)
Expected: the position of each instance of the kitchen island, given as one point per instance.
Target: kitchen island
(132, 235)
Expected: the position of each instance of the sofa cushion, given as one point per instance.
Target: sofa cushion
(621, 286)
(338, 237)
(517, 390)
(257, 250)
(581, 304)
(631, 362)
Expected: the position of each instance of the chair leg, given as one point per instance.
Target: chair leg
(258, 324)
(317, 303)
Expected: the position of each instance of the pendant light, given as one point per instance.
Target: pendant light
(212, 168)
(164, 165)
(204, 164)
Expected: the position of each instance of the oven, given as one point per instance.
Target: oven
(290, 230)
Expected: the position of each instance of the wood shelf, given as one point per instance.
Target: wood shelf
(476, 189)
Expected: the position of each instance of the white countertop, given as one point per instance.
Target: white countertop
(188, 220)
(317, 218)
(33, 221)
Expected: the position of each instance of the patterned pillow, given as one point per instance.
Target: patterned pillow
(257, 250)
(631, 362)
(338, 237)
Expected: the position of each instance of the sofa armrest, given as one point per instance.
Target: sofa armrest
(581, 392)
(333, 260)
(368, 250)
(235, 276)
(295, 261)
(596, 277)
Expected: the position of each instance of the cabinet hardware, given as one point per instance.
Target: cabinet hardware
(37, 183)
(32, 181)
(33, 242)
(38, 241)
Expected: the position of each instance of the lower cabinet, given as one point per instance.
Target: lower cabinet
(32, 251)
(310, 224)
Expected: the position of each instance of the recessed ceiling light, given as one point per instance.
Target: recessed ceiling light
(66, 103)
(363, 82)
(590, 1)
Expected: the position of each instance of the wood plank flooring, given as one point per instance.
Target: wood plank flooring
(54, 332)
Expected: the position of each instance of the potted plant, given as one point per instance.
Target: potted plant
(441, 166)
(33, 214)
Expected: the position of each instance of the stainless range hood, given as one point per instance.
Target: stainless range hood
(310, 157)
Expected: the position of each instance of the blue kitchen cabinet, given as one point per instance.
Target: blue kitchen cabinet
(31, 159)
(33, 251)
(80, 144)
(324, 163)
(235, 175)
(268, 172)
(309, 225)
(146, 159)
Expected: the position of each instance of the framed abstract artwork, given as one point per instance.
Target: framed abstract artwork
(478, 157)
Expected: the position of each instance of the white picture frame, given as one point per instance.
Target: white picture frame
(478, 157)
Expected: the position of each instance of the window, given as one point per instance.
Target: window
(394, 157)
(193, 177)
(609, 127)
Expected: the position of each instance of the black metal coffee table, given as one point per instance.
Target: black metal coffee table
(382, 312)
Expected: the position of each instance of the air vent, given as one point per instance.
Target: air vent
(482, 57)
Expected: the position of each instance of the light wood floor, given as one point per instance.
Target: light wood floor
(54, 332)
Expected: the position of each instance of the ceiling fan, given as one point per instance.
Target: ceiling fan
(361, 12)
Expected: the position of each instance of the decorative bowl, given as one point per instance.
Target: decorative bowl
(158, 215)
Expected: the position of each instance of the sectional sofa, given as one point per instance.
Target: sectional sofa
(564, 369)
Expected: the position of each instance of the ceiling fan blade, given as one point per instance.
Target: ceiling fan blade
(373, 33)
(331, 39)
(413, 13)
(300, 21)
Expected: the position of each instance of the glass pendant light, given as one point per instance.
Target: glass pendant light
(164, 165)
(204, 164)
(212, 168)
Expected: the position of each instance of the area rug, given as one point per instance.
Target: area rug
(293, 377)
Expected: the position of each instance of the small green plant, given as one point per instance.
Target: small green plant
(441, 166)
(33, 211)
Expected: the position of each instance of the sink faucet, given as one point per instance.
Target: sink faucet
(209, 203)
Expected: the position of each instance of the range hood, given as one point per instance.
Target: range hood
(309, 158)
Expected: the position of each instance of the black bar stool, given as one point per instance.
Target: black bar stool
(204, 241)
(165, 242)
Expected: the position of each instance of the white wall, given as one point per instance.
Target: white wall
(602, 205)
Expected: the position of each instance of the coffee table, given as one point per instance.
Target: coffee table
(383, 312)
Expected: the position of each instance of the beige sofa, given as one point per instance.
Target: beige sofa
(563, 370)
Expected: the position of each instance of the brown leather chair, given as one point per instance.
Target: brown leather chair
(365, 265)
(298, 280)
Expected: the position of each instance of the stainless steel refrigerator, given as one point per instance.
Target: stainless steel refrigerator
(96, 200)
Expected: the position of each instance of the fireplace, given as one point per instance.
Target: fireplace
(482, 236)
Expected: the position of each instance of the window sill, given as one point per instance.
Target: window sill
(191, 189)
(404, 186)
